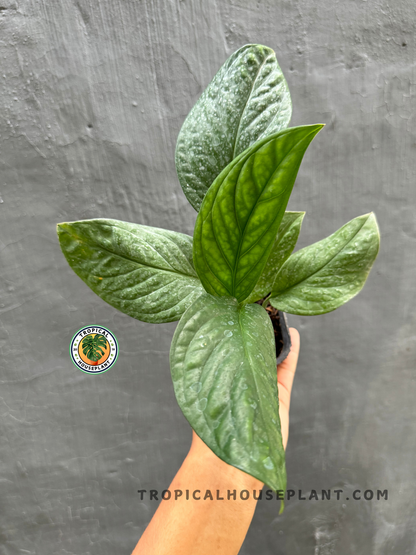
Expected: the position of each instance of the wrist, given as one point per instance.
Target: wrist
(226, 474)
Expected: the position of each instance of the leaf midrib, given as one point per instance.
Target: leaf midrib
(81, 240)
(248, 100)
(255, 204)
(321, 267)
(248, 358)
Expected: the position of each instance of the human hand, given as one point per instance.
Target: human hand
(191, 527)
(285, 375)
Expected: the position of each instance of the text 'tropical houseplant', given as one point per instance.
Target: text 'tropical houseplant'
(237, 162)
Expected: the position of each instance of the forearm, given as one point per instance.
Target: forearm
(199, 527)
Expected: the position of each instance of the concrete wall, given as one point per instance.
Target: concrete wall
(93, 94)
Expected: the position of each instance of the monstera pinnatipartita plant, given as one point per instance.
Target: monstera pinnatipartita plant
(237, 161)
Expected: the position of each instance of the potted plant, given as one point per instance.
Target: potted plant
(237, 162)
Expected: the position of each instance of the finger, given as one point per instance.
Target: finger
(286, 369)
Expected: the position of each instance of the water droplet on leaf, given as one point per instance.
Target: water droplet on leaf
(197, 386)
(201, 404)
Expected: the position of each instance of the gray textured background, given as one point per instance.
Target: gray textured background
(93, 94)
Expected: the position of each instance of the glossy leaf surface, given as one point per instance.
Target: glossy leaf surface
(223, 365)
(283, 246)
(327, 274)
(242, 211)
(247, 100)
(143, 271)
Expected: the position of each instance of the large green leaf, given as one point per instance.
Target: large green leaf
(242, 210)
(223, 365)
(143, 271)
(247, 100)
(327, 274)
(283, 246)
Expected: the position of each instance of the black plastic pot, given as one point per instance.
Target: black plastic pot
(285, 343)
(281, 331)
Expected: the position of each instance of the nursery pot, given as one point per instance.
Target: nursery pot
(281, 332)
(283, 345)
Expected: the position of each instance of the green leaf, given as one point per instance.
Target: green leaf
(143, 271)
(247, 100)
(223, 365)
(327, 274)
(241, 213)
(283, 246)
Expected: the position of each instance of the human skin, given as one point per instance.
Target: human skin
(202, 527)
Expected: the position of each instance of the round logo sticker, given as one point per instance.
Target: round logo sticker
(94, 349)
